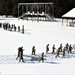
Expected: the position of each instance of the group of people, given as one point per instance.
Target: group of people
(67, 48)
(12, 27)
(20, 54)
(41, 58)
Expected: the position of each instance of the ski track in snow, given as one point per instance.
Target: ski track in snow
(48, 58)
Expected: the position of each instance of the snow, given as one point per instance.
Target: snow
(37, 34)
(70, 13)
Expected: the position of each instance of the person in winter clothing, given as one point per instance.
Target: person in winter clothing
(18, 28)
(74, 46)
(42, 57)
(15, 27)
(47, 48)
(9, 27)
(22, 29)
(20, 54)
(64, 49)
(60, 47)
(0, 25)
(53, 48)
(67, 46)
(33, 50)
(12, 26)
(57, 53)
(70, 49)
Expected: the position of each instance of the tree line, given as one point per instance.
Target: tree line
(10, 7)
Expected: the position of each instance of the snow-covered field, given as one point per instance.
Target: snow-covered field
(37, 34)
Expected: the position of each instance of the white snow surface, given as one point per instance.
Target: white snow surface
(37, 34)
(70, 13)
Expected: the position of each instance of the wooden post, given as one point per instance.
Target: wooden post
(67, 22)
(45, 11)
(22, 9)
(52, 9)
(32, 12)
(37, 12)
(72, 23)
(18, 11)
(27, 11)
(62, 21)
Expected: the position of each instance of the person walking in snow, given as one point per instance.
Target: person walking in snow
(20, 54)
(18, 28)
(0, 25)
(22, 29)
(53, 49)
(33, 50)
(74, 46)
(12, 26)
(67, 46)
(42, 57)
(9, 27)
(57, 52)
(70, 49)
(47, 48)
(64, 49)
(60, 47)
(15, 27)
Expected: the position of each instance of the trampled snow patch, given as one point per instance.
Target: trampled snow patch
(48, 58)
